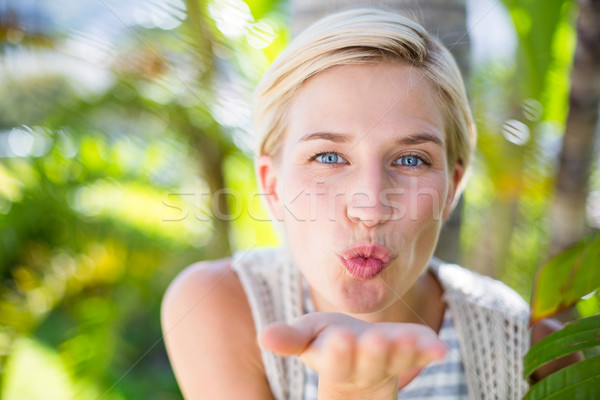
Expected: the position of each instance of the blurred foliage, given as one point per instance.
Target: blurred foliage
(113, 139)
(105, 185)
(560, 283)
(577, 381)
(520, 106)
(566, 278)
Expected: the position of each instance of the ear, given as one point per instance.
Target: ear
(456, 176)
(266, 172)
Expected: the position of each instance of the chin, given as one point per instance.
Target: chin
(363, 297)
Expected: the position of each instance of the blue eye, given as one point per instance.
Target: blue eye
(410, 161)
(329, 158)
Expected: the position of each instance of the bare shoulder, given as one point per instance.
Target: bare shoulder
(540, 330)
(210, 336)
(206, 281)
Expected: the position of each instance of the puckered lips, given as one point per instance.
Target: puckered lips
(365, 261)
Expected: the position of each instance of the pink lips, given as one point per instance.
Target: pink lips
(365, 261)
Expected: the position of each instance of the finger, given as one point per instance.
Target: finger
(372, 358)
(426, 345)
(338, 355)
(403, 353)
(404, 378)
(430, 348)
(412, 351)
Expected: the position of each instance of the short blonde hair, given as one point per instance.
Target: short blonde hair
(362, 36)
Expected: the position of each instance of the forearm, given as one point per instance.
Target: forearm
(385, 391)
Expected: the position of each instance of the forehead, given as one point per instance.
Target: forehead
(381, 97)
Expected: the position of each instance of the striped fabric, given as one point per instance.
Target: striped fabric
(441, 380)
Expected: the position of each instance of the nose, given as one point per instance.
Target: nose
(367, 202)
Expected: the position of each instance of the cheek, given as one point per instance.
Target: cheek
(310, 222)
(416, 199)
(428, 200)
(311, 199)
(310, 231)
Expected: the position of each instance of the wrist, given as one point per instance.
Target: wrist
(333, 391)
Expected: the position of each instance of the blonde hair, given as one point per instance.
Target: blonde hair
(363, 36)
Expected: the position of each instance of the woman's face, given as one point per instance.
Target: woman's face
(363, 183)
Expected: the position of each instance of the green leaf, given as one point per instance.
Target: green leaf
(536, 23)
(578, 381)
(578, 335)
(567, 277)
(589, 305)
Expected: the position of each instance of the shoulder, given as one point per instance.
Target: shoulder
(205, 289)
(208, 329)
(261, 260)
(203, 281)
(465, 285)
(491, 321)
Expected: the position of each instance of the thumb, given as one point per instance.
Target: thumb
(293, 339)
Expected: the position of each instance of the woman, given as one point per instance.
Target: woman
(365, 139)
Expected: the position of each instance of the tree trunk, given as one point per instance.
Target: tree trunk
(210, 149)
(445, 19)
(212, 156)
(568, 213)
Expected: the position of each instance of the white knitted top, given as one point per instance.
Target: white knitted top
(491, 322)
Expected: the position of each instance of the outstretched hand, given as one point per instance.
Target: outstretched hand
(350, 354)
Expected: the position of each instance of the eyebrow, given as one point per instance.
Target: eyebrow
(419, 138)
(416, 138)
(332, 137)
